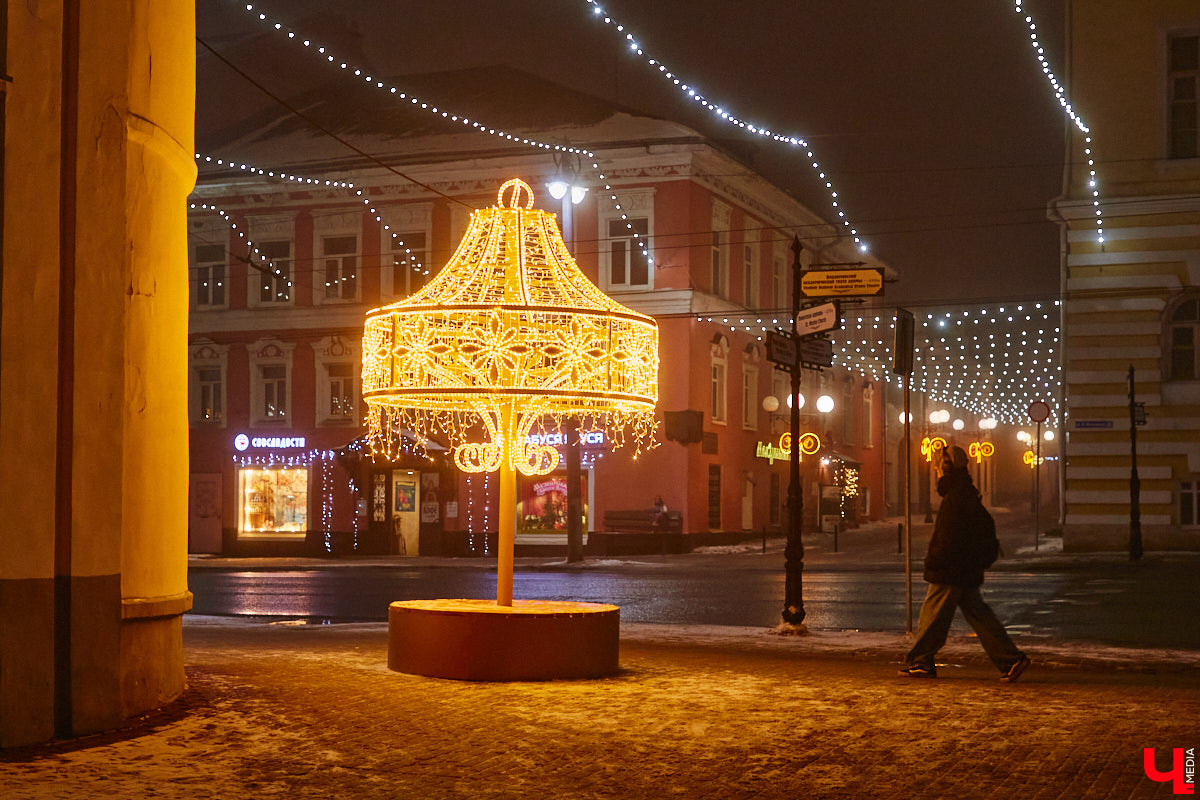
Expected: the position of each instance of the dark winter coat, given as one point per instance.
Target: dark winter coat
(964, 536)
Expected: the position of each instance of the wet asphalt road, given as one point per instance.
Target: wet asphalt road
(1150, 604)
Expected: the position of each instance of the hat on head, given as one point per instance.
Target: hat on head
(956, 456)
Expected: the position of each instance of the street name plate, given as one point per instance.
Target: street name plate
(818, 352)
(781, 349)
(841, 282)
(817, 319)
(1086, 424)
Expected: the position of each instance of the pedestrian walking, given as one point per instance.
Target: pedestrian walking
(963, 545)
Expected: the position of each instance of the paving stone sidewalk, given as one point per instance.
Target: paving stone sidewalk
(312, 711)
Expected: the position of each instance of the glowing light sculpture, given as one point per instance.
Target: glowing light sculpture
(509, 338)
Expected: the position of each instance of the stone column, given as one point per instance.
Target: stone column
(98, 162)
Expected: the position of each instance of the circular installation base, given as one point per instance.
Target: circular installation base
(477, 640)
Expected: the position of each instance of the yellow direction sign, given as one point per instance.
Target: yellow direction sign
(841, 282)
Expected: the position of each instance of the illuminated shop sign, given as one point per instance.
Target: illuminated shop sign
(555, 439)
(809, 444)
(242, 442)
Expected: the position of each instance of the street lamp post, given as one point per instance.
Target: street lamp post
(793, 553)
(565, 188)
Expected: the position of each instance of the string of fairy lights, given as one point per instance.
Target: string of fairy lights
(398, 243)
(441, 112)
(992, 361)
(1060, 93)
(688, 90)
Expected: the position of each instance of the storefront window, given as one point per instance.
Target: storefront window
(274, 503)
(542, 503)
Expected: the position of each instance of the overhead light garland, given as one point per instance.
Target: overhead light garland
(991, 361)
(397, 242)
(441, 112)
(722, 113)
(1060, 93)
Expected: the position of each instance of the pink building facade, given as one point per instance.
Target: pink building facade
(276, 415)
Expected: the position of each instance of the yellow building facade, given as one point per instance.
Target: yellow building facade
(1132, 273)
(97, 163)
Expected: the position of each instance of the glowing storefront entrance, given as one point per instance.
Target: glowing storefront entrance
(274, 503)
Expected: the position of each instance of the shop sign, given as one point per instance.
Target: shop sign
(809, 444)
(555, 439)
(242, 442)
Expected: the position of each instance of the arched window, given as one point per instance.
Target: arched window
(1183, 360)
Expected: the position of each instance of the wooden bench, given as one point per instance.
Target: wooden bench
(638, 532)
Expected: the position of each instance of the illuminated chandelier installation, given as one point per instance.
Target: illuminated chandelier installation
(510, 339)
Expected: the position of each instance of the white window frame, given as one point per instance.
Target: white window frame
(271, 228)
(751, 360)
(751, 290)
(722, 215)
(1170, 326)
(269, 353)
(330, 351)
(204, 354)
(635, 204)
(206, 233)
(404, 221)
(1190, 493)
(335, 226)
(719, 381)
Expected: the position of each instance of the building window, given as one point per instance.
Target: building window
(206, 389)
(1185, 341)
(868, 416)
(271, 273)
(750, 398)
(212, 394)
(341, 390)
(274, 503)
(274, 385)
(714, 497)
(1189, 504)
(720, 265)
(1183, 91)
(411, 269)
(209, 272)
(270, 379)
(717, 383)
(339, 264)
(749, 277)
(628, 266)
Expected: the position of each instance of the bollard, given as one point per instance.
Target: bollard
(835, 533)
(764, 539)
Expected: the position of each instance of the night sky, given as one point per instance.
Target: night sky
(932, 118)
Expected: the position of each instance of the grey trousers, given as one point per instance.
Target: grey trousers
(937, 612)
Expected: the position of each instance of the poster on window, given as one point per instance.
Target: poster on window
(430, 505)
(542, 503)
(406, 496)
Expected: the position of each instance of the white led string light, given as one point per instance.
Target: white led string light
(1060, 94)
(990, 361)
(397, 242)
(689, 91)
(475, 125)
(233, 226)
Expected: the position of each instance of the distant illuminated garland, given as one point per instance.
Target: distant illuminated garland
(509, 338)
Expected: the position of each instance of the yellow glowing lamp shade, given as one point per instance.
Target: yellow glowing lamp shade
(508, 340)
